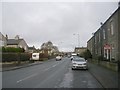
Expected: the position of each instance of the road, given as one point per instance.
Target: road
(50, 74)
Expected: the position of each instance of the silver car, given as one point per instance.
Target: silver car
(79, 63)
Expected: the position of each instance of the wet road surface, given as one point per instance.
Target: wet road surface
(50, 74)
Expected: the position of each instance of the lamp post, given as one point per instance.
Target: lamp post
(78, 36)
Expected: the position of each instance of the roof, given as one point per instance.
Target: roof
(80, 47)
(31, 48)
(2, 37)
(117, 10)
(90, 38)
(13, 41)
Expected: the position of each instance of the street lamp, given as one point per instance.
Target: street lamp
(78, 39)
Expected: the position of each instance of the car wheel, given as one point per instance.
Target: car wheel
(72, 68)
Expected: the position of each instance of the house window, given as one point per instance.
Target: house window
(103, 33)
(111, 28)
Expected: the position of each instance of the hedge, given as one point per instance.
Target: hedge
(12, 49)
(42, 55)
(8, 57)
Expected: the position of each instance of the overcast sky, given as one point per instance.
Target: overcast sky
(59, 22)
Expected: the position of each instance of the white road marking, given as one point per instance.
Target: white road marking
(47, 69)
(54, 65)
(27, 77)
(36, 74)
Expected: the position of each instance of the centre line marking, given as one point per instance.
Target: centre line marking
(47, 69)
(26, 78)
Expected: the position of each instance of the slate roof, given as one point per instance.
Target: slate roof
(31, 48)
(2, 37)
(13, 41)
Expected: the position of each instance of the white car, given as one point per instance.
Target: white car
(79, 63)
(71, 57)
(58, 58)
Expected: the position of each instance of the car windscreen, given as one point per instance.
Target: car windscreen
(79, 59)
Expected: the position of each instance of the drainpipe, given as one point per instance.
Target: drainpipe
(107, 54)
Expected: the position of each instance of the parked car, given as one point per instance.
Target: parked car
(79, 63)
(69, 56)
(73, 55)
(58, 58)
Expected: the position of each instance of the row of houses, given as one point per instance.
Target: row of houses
(18, 42)
(105, 42)
(15, 42)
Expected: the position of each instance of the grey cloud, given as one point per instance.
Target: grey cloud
(43, 21)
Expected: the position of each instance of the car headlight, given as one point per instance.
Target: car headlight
(85, 64)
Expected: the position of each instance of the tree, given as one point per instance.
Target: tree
(86, 54)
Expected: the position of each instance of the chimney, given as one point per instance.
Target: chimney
(101, 23)
(6, 37)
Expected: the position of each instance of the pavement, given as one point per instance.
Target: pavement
(19, 66)
(108, 78)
